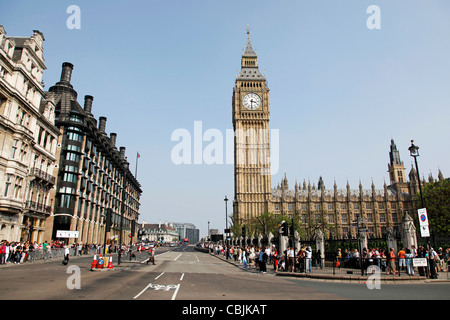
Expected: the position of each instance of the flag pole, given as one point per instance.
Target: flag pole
(137, 157)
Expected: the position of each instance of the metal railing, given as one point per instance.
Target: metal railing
(358, 266)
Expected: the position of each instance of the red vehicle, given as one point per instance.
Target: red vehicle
(186, 241)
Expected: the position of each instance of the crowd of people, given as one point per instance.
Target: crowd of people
(18, 252)
(388, 261)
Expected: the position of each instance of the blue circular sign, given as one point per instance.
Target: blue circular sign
(423, 217)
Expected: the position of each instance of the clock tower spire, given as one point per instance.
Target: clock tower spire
(251, 114)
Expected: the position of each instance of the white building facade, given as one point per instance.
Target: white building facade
(28, 139)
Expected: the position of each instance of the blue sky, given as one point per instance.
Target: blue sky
(338, 91)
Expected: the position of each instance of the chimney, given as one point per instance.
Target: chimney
(88, 104)
(122, 153)
(102, 124)
(112, 138)
(66, 73)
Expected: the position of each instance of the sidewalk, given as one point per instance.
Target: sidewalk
(354, 275)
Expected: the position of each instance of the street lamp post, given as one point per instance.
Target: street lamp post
(226, 219)
(414, 152)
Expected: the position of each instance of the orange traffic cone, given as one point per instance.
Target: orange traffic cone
(100, 262)
(110, 265)
(94, 263)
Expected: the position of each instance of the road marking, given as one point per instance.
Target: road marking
(177, 257)
(182, 277)
(175, 293)
(197, 258)
(142, 291)
(159, 276)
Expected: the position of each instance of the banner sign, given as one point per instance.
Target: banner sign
(66, 234)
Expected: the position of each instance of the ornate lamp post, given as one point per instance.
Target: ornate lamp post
(226, 219)
(414, 152)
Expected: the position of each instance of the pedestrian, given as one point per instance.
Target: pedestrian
(66, 253)
(401, 259)
(338, 258)
(391, 262)
(244, 258)
(308, 259)
(409, 262)
(151, 253)
(262, 261)
(290, 259)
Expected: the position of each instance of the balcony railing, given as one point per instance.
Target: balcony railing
(43, 175)
(39, 207)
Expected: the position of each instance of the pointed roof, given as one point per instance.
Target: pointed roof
(249, 72)
(249, 52)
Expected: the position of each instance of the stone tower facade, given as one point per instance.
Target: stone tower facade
(251, 114)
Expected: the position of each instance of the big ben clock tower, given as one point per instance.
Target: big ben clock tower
(251, 114)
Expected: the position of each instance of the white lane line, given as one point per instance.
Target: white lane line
(177, 257)
(142, 291)
(137, 296)
(182, 277)
(197, 258)
(176, 291)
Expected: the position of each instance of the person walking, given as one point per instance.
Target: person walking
(151, 253)
(308, 259)
(409, 262)
(391, 262)
(66, 254)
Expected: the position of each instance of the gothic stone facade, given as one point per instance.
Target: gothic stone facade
(336, 208)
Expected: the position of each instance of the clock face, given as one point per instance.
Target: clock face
(251, 101)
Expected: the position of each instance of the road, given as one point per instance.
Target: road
(183, 274)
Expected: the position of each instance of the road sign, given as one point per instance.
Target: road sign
(424, 231)
(420, 262)
(423, 217)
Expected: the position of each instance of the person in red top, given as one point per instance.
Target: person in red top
(401, 260)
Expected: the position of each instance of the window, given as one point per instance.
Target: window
(14, 148)
(368, 205)
(304, 206)
(70, 177)
(343, 206)
(331, 218)
(330, 206)
(356, 206)
(382, 217)
(290, 206)
(277, 206)
(344, 218)
(8, 184)
(72, 156)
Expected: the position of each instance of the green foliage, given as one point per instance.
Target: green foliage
(436, 196)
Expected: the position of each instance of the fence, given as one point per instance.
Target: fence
(350, 265)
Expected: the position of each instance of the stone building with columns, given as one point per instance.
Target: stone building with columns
(92, 173)
(28, 139)
(338, 208)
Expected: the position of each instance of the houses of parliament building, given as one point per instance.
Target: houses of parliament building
(338, 208)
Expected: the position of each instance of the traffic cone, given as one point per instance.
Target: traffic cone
(110, 265)
(100, 262)
(94, 263)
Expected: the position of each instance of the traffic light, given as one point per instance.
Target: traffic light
(284, 230)
(243, 232)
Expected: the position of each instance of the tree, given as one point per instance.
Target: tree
(436, 196)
